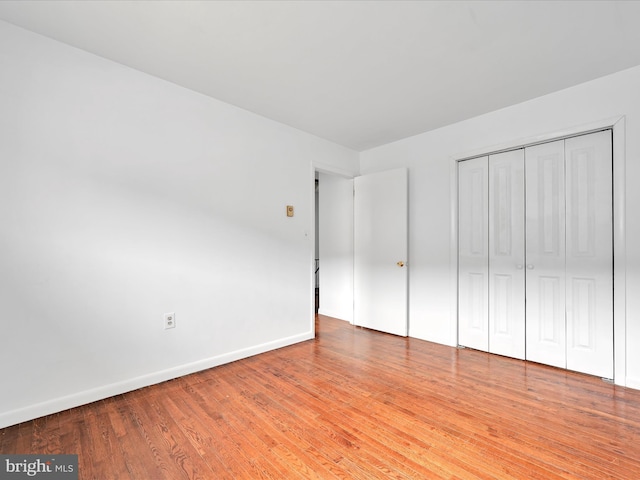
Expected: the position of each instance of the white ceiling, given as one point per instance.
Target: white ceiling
(357, 73)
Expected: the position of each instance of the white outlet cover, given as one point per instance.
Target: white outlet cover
(169, 320)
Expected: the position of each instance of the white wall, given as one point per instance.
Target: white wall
(429, 157)
(123, 197)
(336, 246)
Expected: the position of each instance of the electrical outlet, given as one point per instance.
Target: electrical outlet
(169, 320)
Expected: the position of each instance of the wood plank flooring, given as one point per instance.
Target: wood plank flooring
(353, 404)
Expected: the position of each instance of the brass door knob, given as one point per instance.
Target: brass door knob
(400, 263)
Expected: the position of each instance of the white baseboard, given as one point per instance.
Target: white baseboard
(60, 404)
(633, 383)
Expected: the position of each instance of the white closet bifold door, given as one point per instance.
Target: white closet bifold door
(535, 253)
(589, 254)
(545, 254)
(473, 254)
(506, 254)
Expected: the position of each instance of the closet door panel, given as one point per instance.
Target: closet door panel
(545, 254)
(506, 254)
(589, 254)
(473, 254)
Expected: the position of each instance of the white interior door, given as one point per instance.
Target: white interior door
(545, 254)
(589, 254)
(506, 254)
(473, 254)
(381, 251)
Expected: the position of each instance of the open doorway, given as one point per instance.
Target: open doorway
(334, 246)
(316, 267)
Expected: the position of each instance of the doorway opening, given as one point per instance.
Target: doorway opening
(333, 257)
(316, 266)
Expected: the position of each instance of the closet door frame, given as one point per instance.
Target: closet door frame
(618, 126)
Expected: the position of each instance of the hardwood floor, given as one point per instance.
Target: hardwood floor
(353, 404)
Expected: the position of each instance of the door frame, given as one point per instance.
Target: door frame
(618, 127)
